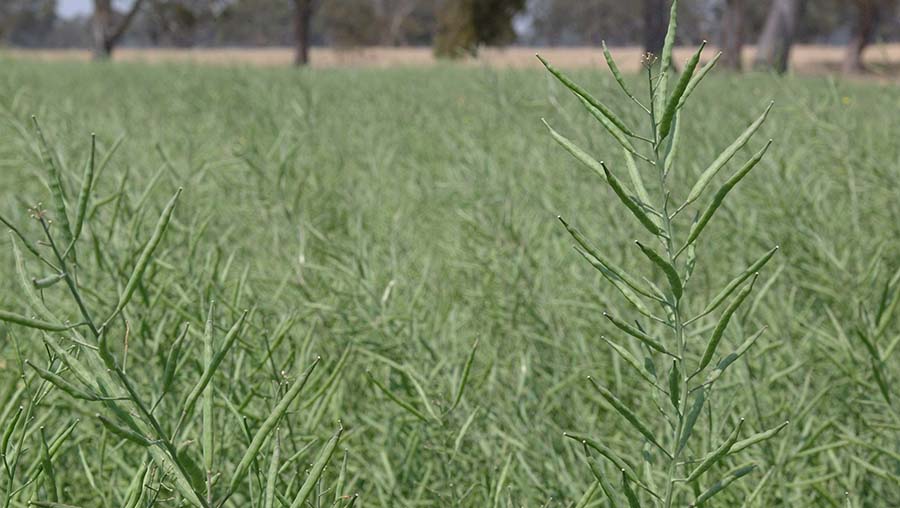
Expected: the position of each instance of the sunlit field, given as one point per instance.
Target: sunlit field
(401, 225)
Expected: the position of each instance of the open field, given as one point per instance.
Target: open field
(884, 59)
(386, 220)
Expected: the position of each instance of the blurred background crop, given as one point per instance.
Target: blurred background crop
(822, 36)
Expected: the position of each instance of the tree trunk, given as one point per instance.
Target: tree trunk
(105, 34)
(303, 12)
(774, 46)
(100, 29)
(655, 23)
(864, 30)
(732, 35)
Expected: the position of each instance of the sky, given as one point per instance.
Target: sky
(67, 8)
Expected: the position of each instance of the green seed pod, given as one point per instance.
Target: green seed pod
(632, 206)
(8, 432)
(737, 281)
(665, 123)
(719, 197)
(722, 484)
(318, 468)
(146, 256)
(675, 385)
(63, 384)
(691, 419)
(18, 319)
(717, 454)
(722, 324)
(587, 97)
(628, 414)
(630, 495)
(724, 157)
(127, 434)
(757, 438)
(267, 427)
(48, 281)
(666, 267)
(638, 334)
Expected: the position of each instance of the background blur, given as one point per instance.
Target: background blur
(825, 35)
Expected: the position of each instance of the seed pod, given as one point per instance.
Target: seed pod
(87, 181)
(717, 454)
(573, 149)
(719, 197)
(146, 256)
(272, 476)
(18, 319)
(615, 459)
(613, 131)
(632, 498)
(318, 467)
(632, 206)
(267, 427)
(757, 438)
(698, 78)
(722, 484)
(63, 384)
(230, 338)
(728, 289)
(666, 267)
(127, 434)
(725, 362)
(55, 182)
(630, 360)
(724, 157)
(629, 415)
(617, 271)
(47, 281)
(638, 334)
(586, 96)
(675, 385)
(665, 67)
(691, 419)
(614, 69)
(8, 432)
(722, 324)
(665, 123)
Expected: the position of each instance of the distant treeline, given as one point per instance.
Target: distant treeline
(451, 26)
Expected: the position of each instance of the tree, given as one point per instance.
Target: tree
(464, 25)
(106, 32)
(656, 21)
(303, 14)
(27, 22)
(774, 46)
(867, 17)
(732, 34)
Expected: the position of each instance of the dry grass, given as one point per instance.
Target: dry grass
(806, 59)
